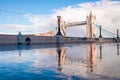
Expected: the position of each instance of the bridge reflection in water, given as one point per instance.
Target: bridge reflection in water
(90, 61)
(91, 54)
(94, 54)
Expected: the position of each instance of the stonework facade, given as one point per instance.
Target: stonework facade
(90, 27)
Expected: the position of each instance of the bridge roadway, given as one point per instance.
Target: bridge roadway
(75, 24)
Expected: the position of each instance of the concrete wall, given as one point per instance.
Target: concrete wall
(8, 39)
(12, 39)
(40, 39)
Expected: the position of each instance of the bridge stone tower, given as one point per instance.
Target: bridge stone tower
(90, 27)
(61, 27)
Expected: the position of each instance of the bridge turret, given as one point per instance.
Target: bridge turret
(61, 27)
(90, 27)
(59, 31)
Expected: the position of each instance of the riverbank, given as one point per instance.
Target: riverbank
(12, 39)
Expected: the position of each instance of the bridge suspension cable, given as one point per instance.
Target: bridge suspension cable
(12, 12)
(106, 31)
(29, 15)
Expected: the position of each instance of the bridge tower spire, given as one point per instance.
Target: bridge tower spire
(90, 27)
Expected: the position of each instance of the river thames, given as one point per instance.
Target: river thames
(90, 61)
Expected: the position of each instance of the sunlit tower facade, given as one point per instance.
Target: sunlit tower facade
(61, 27)
(90, 26)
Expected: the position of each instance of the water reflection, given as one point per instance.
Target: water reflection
(19, 49)
(100, 51)
(61, 57)
(117, 48)
(91, 57)
(28, 46)
(90, 61)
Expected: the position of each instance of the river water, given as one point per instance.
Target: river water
(60, 62)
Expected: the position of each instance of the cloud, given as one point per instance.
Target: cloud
(107, 14)
(15, 28)
(106, 11)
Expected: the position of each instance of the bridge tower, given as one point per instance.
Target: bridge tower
(90, 27)
(61, 27)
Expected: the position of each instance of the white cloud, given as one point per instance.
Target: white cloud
(107, 14)
(15, 28)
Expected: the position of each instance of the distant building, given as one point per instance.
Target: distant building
(50, 33)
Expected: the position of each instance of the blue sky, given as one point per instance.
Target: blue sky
(37, 6)
(13, 23)
(33, 7)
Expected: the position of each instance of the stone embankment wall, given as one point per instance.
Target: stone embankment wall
(8, 39)
(12, 39)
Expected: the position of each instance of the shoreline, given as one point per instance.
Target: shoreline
(13, 39)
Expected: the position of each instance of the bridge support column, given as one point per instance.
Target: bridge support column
(100, 36)
(117, 34)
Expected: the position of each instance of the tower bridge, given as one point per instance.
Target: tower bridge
(91, 30)
(90, 27)
(60, 37)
